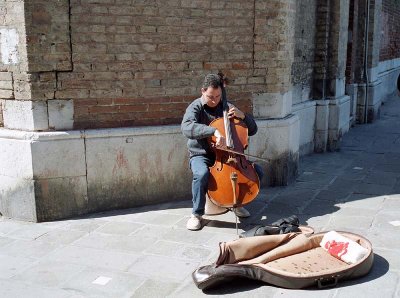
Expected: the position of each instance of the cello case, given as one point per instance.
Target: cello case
(292, 261)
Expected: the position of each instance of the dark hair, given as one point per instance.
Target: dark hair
(211, 80)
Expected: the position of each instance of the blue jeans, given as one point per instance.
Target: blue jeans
(199, 165)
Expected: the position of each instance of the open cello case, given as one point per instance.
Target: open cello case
(292, 260)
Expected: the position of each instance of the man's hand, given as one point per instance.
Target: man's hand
(221, 142)
(235, 112)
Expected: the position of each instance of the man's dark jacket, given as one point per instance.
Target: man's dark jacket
(195, 126)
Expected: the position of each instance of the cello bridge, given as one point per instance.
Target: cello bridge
(232, 160)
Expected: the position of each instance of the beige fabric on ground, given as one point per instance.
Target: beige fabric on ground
(248, 248)
(296, 245)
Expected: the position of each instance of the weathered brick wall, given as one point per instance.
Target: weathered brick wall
(352, 41)
(141, 62)
(35, 44)
(323, 15)
(47, 29)
(390, 38)
(303, 65)
(338, 38)
(133, 63)
(48, 46)
(330, 47)
(274, 44)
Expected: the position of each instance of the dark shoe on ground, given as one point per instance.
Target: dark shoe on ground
(241, 212)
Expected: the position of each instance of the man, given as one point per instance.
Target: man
(195, 126)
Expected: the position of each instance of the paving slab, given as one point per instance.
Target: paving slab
(93, 257)
(16, 289)
(62, 236)
(94, 282)
(11, 266)
(383, 286)
(30, 249)
(155, 288)
(164, 268)
(48, 273)
(132, 244)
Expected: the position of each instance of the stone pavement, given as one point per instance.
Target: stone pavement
(147, 252)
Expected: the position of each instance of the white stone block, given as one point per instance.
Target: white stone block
(275, 137)
(388, 65)
(25, 115)
(61, 197)
(272, 105)
(351, 90)
(389, 73)
(344, 113)
(133, 166)
(373, 73)
(374, 97)
(322, 116)
(17, 198)
(15, 158)
(306, 112)
(340, 85)
(58, 158)
(9, 40)
(61, 114)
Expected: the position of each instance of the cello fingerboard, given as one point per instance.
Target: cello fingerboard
(228, 132)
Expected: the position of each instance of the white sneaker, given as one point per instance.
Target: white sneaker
(241, 212)
(194, 223)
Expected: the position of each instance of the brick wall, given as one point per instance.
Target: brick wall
(274, 44)
(330, 47)
(47, 29)
(134, 63)
(323, 15)
(390, 38)
(303, 65)
(352, 41)
(142, 62)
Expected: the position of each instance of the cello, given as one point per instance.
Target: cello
(233, 181)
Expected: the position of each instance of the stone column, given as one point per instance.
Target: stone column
(351, 85)
(41, 31)
(42, 172)
(272, 106)
(368, 83)
(329, 83)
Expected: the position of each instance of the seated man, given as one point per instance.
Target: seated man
(195, 126)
